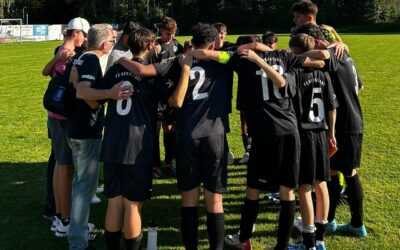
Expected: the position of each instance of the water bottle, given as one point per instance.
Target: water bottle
(152, 236)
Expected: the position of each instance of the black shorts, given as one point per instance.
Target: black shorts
(274, 162)
(166, 114)
(202, 160)
(239, 98)
(314, 158)
(348, 156)
(134, 182)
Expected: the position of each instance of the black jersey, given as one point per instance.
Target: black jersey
(269, 109)
(85, 122)
(169, 50)
(314, 98)
(130, 124)
(346, 82)
(207, 102)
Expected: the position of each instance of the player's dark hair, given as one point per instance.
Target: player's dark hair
(140, 39)
(269, 38)
(245, 39)
(221, 27)
(169, 23)
(187, 45)
(314, 31)
(130, 26)
(303, 42)
(305, 7)
(203, 34)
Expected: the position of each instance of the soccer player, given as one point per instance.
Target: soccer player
(315, 105)
(170, 47)
(349, 133)
(75, 36)
(270, 39)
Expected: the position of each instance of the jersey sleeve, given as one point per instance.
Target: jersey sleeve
(89, 70)
(332, 63)
(332, 102)
(291, 82)
(169, 68)
(294, 61)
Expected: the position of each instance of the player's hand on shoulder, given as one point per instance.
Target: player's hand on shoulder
(121, 90)
(339, 49)
(65, 55)
(249, 55)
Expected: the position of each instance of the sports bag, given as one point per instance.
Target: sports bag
(57, 97)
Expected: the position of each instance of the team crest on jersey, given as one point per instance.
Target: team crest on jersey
(175, 49)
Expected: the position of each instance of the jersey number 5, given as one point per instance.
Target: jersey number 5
(201, 78)
(320, 107)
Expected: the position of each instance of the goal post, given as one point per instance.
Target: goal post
(10, 30)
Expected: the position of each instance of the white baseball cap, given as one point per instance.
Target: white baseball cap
(79, 23)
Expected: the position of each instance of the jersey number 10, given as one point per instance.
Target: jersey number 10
(264, 83)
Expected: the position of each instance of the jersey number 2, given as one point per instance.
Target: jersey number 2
(201, 78)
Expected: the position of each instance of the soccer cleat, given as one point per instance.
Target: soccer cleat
(231, 158)
(100, 189)
(354, 231)
(245, 158)
(95, 199)
(274, 197)
(320, 245)
(298, 223)
(54, 224)
(62, 230)
(331, 228)
(94, 235)
(91, 227)
(232, 241)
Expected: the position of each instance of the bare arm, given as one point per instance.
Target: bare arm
(256, 46)
(276, 78)
(177, 98)
(318, 54)
(313, 63)
(206, 54)
(331, 125)
(137, 68)
(86, 92)
(339, 49)
(49, 67)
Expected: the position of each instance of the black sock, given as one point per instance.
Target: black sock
(156, 151)
(246, 142)
(308, 240)
(334, 189)
(286, 218)
(134, 243)
(112, 240)
(216, 230)
(321, 230)
(189, 227)
(65, 222)
(248, 218)
(169, 145)
(355, 194)
(58, 215)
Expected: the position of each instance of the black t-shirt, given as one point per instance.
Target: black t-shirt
(85, 122)
(130, 124)
(346, 82)
(169, 50)
(269, 109)
(207, 102)
(314, 98)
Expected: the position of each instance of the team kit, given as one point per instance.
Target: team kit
(301, 121)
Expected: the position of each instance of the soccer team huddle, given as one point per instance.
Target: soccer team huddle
(299, 109)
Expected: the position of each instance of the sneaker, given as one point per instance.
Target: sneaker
(231, 158)
(62, 230)
(169, 169)
(95, 199)
(354, 231)
(99, 189)
(94, 235)
(332, 226)
(320, 245)
(298, 223)
(156, 172)
(274, 197)
(232, 241)
(54, 224)
(91, 227)
(245, 158)
(299, 246)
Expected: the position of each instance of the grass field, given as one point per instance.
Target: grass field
(24, 149)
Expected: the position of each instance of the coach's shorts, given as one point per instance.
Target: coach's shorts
(348, 156)
(314, 158)
(202, 160)
(134, 182)
(58, 135)
(274, 162)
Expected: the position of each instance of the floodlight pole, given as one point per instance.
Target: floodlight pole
(23, 13)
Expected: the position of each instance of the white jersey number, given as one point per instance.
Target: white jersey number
(264, 83)
(202, 77)
(124, 109)
(320, 107)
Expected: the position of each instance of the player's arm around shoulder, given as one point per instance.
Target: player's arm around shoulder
(137, 68)
(276, 78)
(178, 96)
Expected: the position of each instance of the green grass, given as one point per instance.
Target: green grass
(24, 149)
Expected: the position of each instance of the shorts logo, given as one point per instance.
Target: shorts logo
(262, 181)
